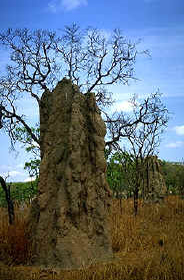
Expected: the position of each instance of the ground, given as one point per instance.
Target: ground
(148, 246)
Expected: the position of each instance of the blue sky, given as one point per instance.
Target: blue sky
(160, 25)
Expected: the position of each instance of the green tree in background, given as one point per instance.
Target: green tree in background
(120, 170)
(32, 148)
(174, 177)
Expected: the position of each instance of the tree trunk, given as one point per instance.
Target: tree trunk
(9, 201)
(136, 196)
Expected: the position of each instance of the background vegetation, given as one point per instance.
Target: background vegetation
(120, 179)
(121, 175)
(174, 177)
(20, 193)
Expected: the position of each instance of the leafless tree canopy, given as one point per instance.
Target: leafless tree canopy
(143, 127)
(90, 58)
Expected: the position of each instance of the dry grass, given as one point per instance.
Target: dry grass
(147, 247)
(14, 246)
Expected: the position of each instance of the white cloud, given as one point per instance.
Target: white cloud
(29, 179)
(20, 165)
(69, 5)
(179, 129)
(55, 6)
(176, 144)
(14, 173)
(52, 7)
(124, 106)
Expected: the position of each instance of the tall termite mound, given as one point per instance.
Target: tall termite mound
(153, 187)
(68, 222)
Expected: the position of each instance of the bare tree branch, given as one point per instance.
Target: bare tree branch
(142, 128)
(90, 58)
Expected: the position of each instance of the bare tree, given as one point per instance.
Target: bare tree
(39, 59)
(143, 129)
(92, 60)
(31, 67)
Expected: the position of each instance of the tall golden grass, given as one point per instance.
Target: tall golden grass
(146, 247)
